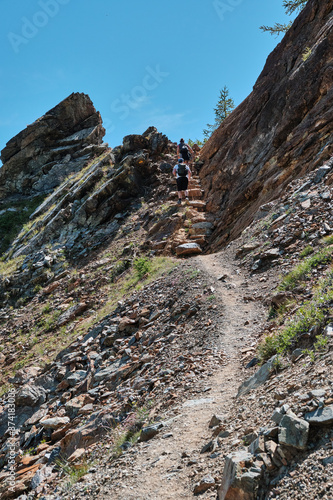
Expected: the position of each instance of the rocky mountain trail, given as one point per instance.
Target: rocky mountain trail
(152, 350)
(172, 464)
(161, 362)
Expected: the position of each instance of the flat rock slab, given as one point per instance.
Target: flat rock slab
(239, 482)
(188, 249)
(197, 402)
(149, 432)
(203, 485)
(258, 378)
(321, 416)
(294, 432)
(201, 228)
(195, 193)
(197, 204)
(55, 423)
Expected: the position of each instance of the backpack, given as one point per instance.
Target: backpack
(182, 170)
(183, 147)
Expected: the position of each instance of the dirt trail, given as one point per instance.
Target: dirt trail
(159, 469)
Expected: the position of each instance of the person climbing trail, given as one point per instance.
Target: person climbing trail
(183, 174)
(184, 151)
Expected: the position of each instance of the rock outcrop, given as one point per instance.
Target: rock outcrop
(280, 132)
(40, 157)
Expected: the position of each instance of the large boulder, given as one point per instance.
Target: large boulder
(151, 140)
(320, 416)
(293, 431)
(30, 395)
(59, 143)
(240, 479)
(258, 378)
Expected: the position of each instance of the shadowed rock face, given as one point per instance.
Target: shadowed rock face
(281, 131)
(39, 158)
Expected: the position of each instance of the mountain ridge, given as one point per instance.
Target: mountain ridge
(156, 350)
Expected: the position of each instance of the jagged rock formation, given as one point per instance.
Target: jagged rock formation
(281, 131)
(82, 353)
(40, 157)
(93, 192)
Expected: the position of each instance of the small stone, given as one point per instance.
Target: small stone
(295, 354)
(328, 461)
(54, 423)
(267, 461)
(238, 480)
(167, 435)
(318, 393)
(40, 476)
(257, 446)
(321, 416)
(306, 204)
(293, 432)
(188, 249)
(320, 173)
(149, 432)
(216, 420)
(76, 377)
(259, 378)
(329, 330)
(326, 195)
(205, 483)
(30, 395)
(210, 446)
(270, 447)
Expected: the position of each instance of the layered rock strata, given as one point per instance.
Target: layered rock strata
(40, 157)
(280, 132)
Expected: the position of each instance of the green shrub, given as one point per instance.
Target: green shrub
(118, 269)
(11, 222)
(321, 343)
(328, 240)
(303, 270)
(267, 348)
(142, 266)
(306, 251)
(306, 54)
(72, 471)
(309, 315)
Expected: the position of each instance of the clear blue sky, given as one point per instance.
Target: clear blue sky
(141, 62)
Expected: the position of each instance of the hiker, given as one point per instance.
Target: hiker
(184, 151)
(183, 174)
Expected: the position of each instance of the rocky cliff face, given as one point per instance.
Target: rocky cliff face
(280, 132)
(59, 143)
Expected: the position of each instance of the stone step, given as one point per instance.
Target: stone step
(198, 204)
(201, 228)
(188, 249)
(199, 217)
(201, 240)
(158, 245)
(195, 193)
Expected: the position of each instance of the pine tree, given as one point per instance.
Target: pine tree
(290, 6)
(223, 109)
(294, 5)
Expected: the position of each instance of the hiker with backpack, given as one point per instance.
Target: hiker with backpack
(183, 174)
(184, 151)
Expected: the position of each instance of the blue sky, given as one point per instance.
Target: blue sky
(141, 62)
